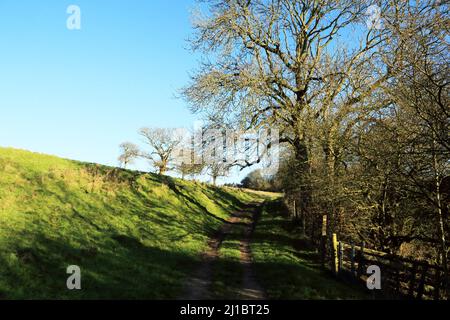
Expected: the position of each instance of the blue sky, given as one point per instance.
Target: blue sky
(79, 93)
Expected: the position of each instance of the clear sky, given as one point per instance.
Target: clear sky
(79, 93)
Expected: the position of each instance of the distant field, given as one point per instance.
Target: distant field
(267, 194)
(134, 235)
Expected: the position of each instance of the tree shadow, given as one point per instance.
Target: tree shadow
(120, 268)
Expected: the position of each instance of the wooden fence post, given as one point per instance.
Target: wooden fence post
(421, 287)
(303, 224)
(335, 254)
(352, 259)
(323, 240)
(398, 285)
(412, 281)
(341, 257)
(295, 210)
(361, 260)
(324, 226)
(437, 285)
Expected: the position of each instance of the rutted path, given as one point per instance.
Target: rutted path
(198, 286)
(250, 290)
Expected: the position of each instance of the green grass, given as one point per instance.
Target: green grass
(228, 269)
(134, 235)
(137, 235)
(287, 267)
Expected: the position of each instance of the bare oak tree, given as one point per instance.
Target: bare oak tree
(162, 142)
(129, 152)
(217, 169)
(282, 63)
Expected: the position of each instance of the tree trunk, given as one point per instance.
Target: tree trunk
(301, 156)
(440, 214)
(330, 160)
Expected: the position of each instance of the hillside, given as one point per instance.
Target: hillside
(134, 235)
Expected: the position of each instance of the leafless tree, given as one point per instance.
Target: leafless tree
(379, 166)
(282, 63)
(421, 92)
(129, 152)
(217, 169)
(162, 142)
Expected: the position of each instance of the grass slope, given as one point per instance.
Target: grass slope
(133, 235)
(286, 267)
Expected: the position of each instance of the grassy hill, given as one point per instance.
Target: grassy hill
(134, 235)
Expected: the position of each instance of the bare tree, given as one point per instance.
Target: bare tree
(129, 152)
(270, 64)
(162, 142)
(185, 163)
(187, 156)
(421, 90)
(217, 169)
(379, 166)
(189, 169)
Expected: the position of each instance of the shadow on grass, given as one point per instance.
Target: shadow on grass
(288, 266)
(128, 242)
(90, 206)
(120, 267)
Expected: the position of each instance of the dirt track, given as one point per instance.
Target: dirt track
(198, 286)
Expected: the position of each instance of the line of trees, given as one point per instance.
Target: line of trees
(257, 180)
(173, 150)
(362, 112)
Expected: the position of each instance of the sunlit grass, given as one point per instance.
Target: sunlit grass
(292, 272)
(133, 235)
(228, 269)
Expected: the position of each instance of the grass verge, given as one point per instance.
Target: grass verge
(287, 268)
